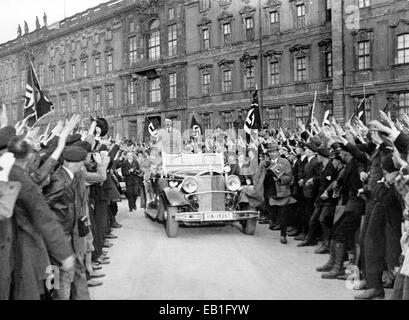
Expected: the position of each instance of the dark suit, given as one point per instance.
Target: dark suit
(383, 234)
(100, 197)
(312, 171)
(323, 214)
(38, 235)
(132, 181)
(65, 201)
(298, 171)
(349, 223)
(8, 195)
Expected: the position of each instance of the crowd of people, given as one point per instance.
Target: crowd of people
(59, 199)
(343, 187)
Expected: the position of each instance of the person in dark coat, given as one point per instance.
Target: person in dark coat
(383, 232)
(38, 234)
(7, 201)
(131, 172)
(309, 183)
(323, 209)
(298, 172)
(8, 195)
(350, 221)
(64, 200)
(272, 185)
(101, 197)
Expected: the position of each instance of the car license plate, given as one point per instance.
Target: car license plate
(217, 216)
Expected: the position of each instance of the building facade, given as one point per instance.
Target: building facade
(122, 60)
(129, 60)
(344, 50)
(375, 57)
(283, 48)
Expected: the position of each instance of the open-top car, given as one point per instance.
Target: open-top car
(196, 189)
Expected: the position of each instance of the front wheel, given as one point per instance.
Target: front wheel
(249, 226)
(172, 226)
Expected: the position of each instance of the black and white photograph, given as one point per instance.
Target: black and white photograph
(204, 150)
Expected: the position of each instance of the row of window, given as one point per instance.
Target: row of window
(249, 27)
(207, 4)
(301, 67)
(301, 74)
(85, 102)
(364, 52)
(273, 21)
(11, 87)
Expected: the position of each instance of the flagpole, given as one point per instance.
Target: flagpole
(313, 107)
(31, 67)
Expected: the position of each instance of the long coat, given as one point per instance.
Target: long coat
(298, 173)
(37, 235)
(278, 194)
(132, 179)
(65, 201)
(312, 171)
(8, 195)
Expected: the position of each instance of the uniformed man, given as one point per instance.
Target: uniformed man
(170, 138)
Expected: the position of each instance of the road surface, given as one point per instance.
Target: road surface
(217, 263)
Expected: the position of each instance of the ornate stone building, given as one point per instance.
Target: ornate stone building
(375, 57)
(132, 59)
(283, 48)
(121, 59)
(291, 48)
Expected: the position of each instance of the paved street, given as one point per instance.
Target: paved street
(210, 263)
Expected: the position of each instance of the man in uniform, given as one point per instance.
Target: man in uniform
(170, 138)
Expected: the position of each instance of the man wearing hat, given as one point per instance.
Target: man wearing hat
(132, 174)
(65, 201)
(309, 184)
(350, 221)
(324, 205)
(277, 188)
(38, 232)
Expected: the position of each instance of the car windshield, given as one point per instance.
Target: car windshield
(189, 172)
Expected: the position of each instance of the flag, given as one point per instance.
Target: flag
(150, 130)
(360, 111)
(311, 116)
(253, 121)
(196, 125)
(37, 105)
(326, 118)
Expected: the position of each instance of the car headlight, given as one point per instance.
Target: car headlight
(226, 169)
(190, 185)
(233, 183)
